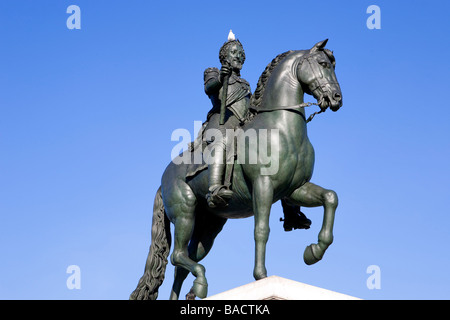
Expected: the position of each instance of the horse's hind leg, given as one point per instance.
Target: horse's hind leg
(180, 207)
(207, 227)
(180, 276)
(311, 195)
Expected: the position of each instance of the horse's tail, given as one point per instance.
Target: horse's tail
(155, 267)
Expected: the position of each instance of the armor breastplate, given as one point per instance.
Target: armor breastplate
(238, 97)
(238, 94)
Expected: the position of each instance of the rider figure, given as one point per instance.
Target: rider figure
(232, 57)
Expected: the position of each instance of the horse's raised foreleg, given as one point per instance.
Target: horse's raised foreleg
(262, 202)
(207, 227)
(311, 195)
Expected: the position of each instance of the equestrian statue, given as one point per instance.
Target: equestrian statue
(252, 151)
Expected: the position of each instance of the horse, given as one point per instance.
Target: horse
(277, 106)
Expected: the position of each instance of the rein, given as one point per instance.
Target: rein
(294, 108)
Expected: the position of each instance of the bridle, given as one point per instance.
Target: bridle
(318, 84)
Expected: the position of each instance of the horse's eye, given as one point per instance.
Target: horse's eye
(324, 64)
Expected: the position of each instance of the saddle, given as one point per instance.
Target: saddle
(200, 144)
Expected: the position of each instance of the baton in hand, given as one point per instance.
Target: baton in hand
(223, 105)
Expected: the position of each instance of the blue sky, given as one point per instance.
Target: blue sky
(86, 118)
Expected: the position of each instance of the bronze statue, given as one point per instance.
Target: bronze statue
(276, 112)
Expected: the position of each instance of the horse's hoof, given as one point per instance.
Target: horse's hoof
(259, 273)
(200, 288)
(190, 295)
(311, 256)
(260, 276)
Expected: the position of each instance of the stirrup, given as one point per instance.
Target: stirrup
(218, 196)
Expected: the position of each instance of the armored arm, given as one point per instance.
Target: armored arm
(212, 81)
(214, 78)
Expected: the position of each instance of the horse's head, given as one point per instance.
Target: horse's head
(316, 74)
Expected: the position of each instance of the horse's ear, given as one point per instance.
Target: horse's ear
(319, 46)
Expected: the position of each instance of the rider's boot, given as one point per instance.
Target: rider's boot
(294, 218)
(219, 194)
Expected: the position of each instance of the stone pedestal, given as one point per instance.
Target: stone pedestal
(277, 288)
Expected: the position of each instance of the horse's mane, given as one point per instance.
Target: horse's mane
(256, 99)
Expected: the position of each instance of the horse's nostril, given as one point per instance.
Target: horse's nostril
(337, 96)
